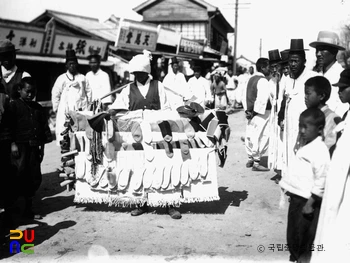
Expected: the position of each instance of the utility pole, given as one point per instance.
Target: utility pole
(235, 43)
(260, 47)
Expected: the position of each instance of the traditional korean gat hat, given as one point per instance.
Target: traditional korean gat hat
(70, 55)
(7, 46)
(327, 38)
(296, 45)
(274, 56)
(284, 56)
(174, 60)
(140, 63)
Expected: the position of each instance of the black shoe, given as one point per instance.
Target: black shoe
(140, 210)
(174, 214)
(249, 164)
(259, 168)
(29, 214)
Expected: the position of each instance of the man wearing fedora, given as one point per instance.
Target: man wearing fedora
(327, 47)
(294, 96)
(176, 87)
(258, 113)
(97, 79)
(275, 140)
(11, 74)
(69, 93)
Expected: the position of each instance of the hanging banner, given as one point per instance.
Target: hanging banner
(137, 36)
(49, 33)
(83, 46)
(26, 40)
(189, 46)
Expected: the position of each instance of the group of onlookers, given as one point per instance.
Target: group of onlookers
(300, 118)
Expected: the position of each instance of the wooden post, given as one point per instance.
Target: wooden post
(235, 43)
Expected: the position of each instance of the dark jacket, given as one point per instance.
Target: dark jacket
(29, 123)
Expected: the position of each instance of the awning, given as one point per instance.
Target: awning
(212, 51)
(60, 60)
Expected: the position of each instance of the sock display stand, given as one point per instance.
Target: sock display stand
(148, 158)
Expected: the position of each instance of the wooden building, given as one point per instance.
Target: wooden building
(195, 19)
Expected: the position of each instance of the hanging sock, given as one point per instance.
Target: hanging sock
(112, 180)
(158, 177)
(185, 150)
(148, 176)
(190, 132)
(103, 183)
(136, 131)
(167, 136)
(193, 168)
(184, 172)
(166, 175)
(175, 174)
(205, 122)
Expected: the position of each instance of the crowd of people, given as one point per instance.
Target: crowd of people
(297, 115)
(300, 117)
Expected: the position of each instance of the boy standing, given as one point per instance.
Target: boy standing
(30, 132)
(333, 227)
(305, 184)
(317, 92)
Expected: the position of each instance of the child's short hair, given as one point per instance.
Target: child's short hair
(317, 116)
(21, 85)
(321, 85)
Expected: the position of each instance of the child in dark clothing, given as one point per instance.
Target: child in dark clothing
(30, 132)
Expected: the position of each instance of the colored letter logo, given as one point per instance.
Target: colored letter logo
(15, 246)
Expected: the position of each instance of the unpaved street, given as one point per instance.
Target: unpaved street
(246, 219)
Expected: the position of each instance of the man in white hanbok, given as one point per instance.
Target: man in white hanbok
(275, 140)
(294, 96)
(176, 87)
(69, 93)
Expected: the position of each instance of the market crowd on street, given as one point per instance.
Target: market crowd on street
(295, 115)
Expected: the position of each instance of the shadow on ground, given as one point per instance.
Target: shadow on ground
(42, 232)
(227, 199)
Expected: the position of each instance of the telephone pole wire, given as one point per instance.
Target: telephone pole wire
(235, 43)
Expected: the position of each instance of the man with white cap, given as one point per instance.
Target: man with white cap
(327, 47)
(144, 92)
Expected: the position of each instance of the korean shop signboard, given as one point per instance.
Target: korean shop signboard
(188, 46)
(137, 36)
(27, 41)
(82, 46)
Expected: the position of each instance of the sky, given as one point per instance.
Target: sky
(262, 24)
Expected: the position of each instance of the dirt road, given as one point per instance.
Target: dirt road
(241, 227)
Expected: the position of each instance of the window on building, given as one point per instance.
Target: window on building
(189, 30)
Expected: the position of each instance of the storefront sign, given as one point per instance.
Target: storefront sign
(83, 46)
(49, 33)
(137, 36)
(188, 46)
(27, 41)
